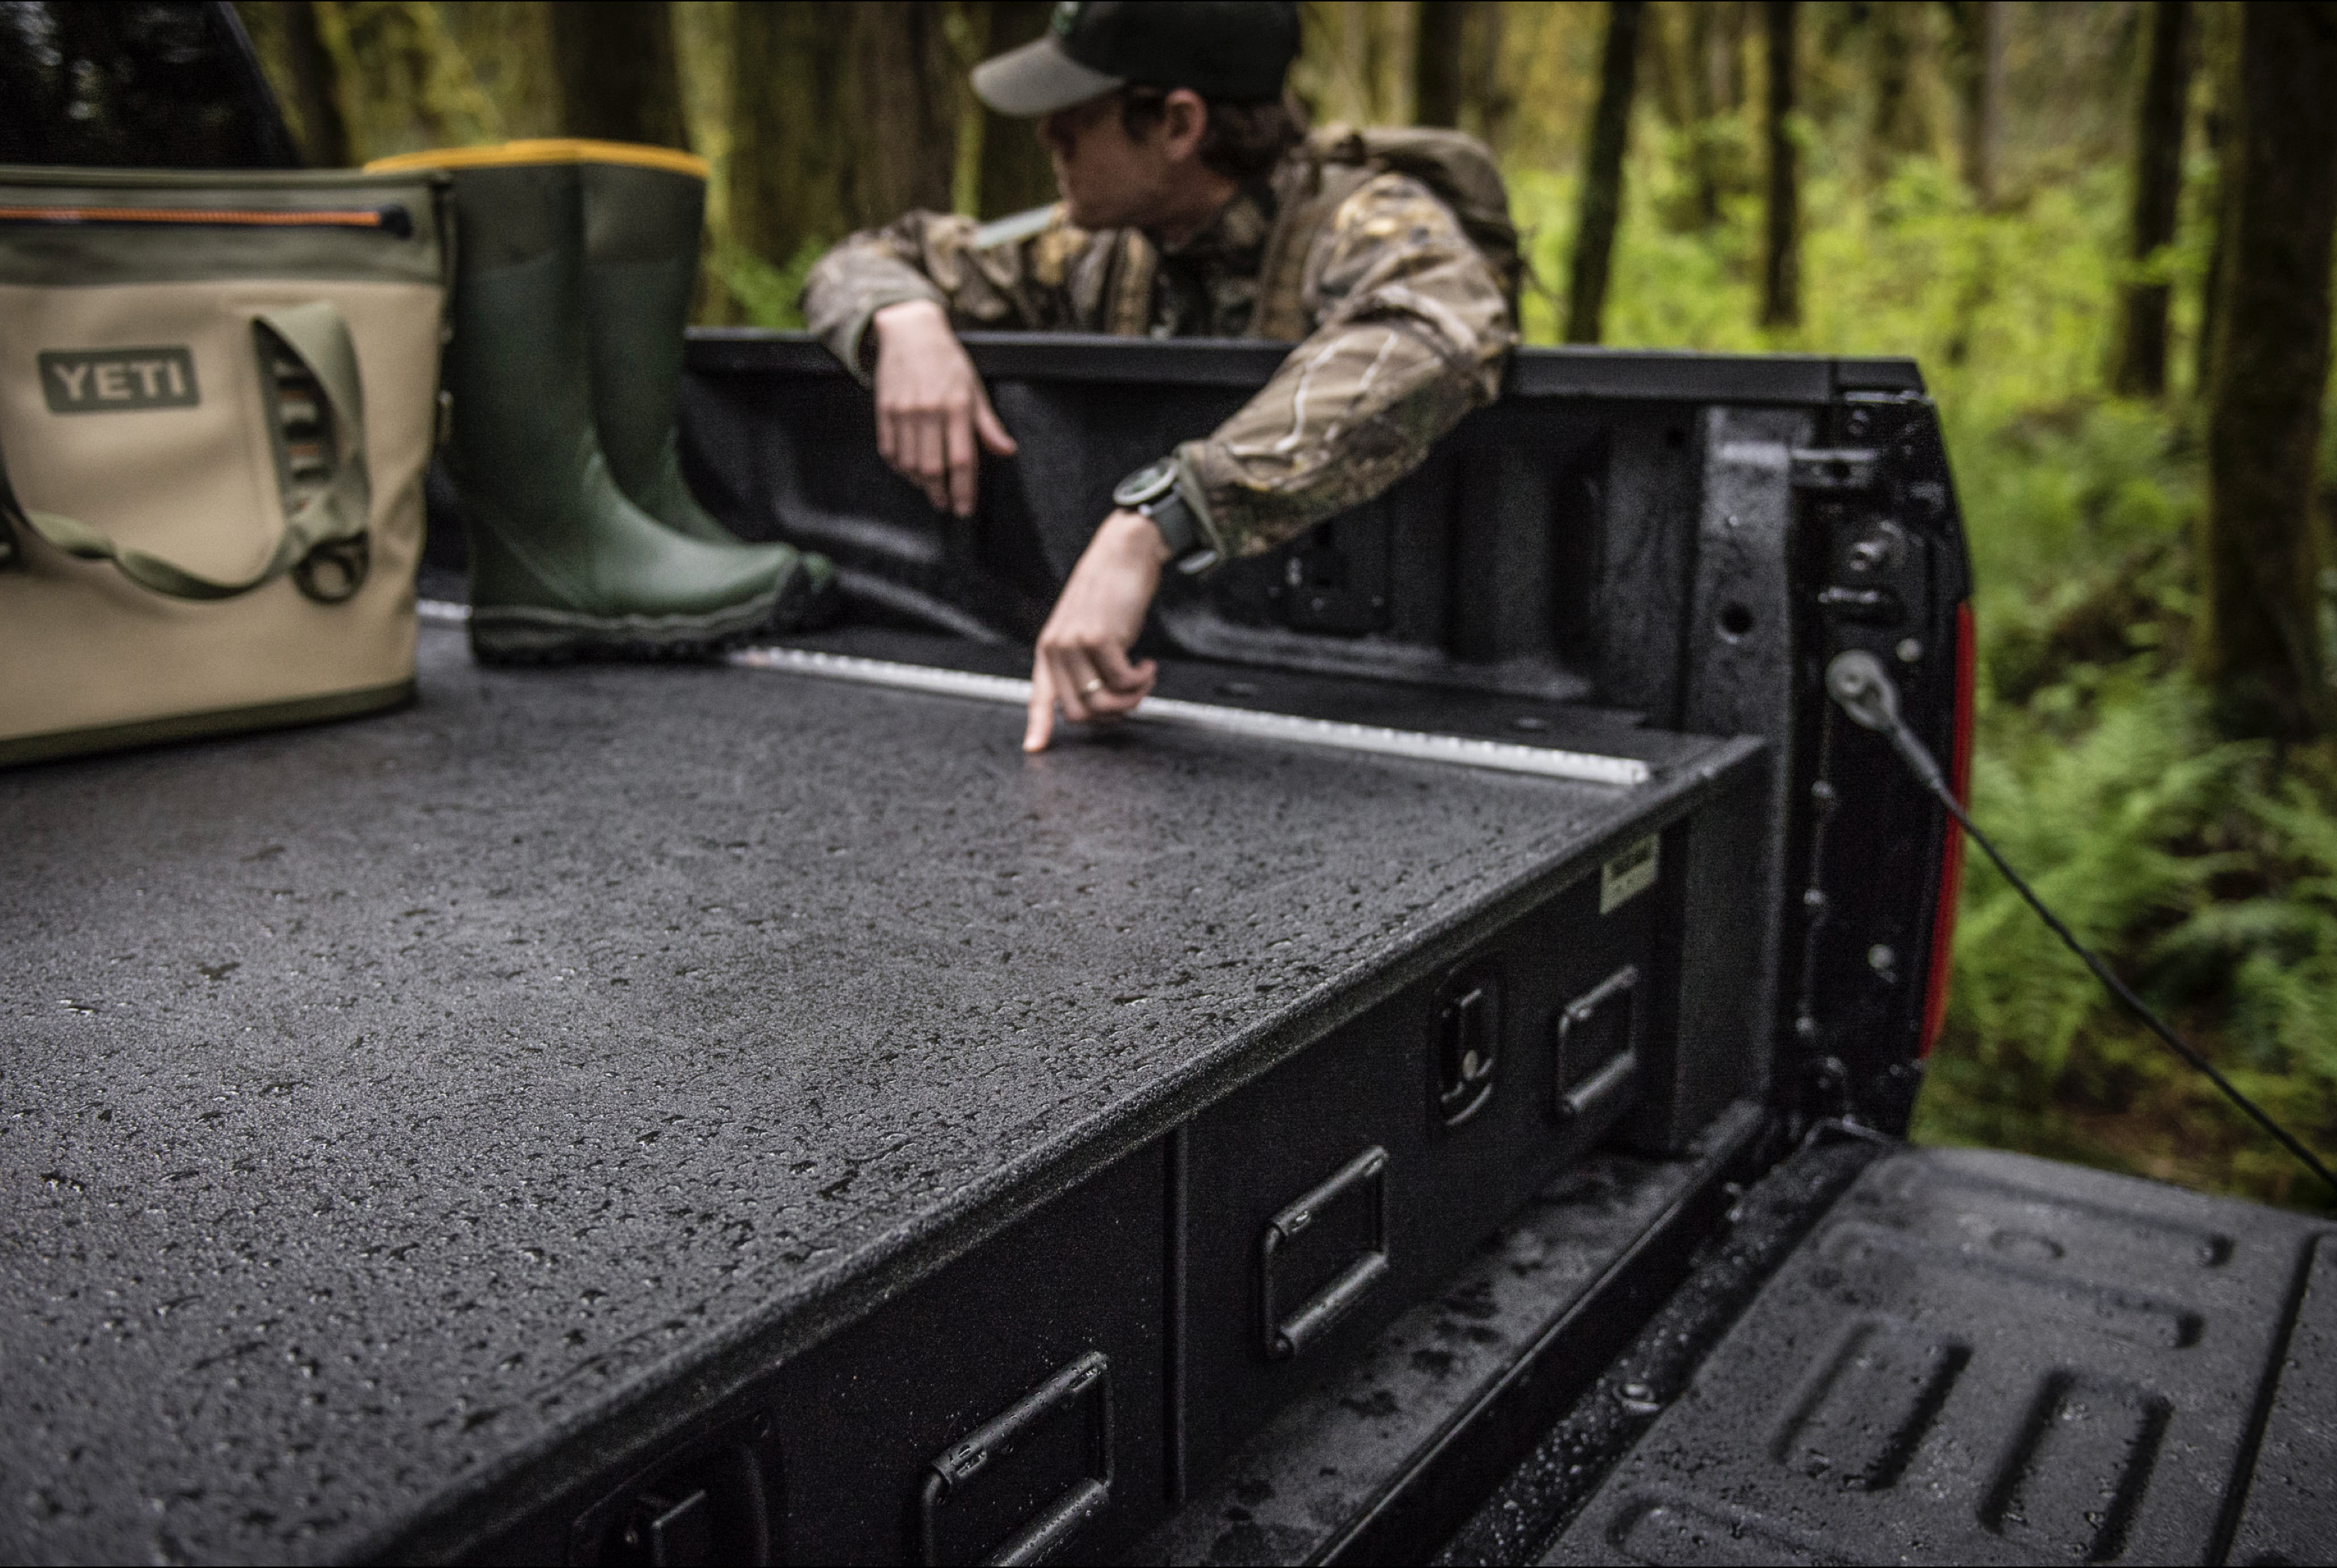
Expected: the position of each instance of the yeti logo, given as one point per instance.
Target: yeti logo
(114, 380)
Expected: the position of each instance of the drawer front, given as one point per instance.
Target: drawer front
(1584, 1005)
(1011, 1406)
(1008, 1407)
(1327, 1196)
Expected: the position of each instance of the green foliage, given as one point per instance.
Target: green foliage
(2006, 310)
(2205, 872)
(2276, 953)
(766, 296)
(2103, 818)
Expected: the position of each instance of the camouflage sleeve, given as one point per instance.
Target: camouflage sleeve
(1028, 272)
(1410, 332)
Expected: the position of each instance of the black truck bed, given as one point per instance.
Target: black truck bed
(411, 1120)
(740, 1114)
(1981, 1357)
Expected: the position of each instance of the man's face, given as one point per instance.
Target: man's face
(1110, 180)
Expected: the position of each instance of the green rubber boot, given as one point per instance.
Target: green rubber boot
(562, 565)
(641, 223)
(644, 211)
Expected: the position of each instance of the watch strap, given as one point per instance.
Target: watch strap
(1153, 492)
(1180, 529)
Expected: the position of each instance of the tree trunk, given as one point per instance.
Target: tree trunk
(1017, 174)
(1601, 208)
(2158, 196)
(617, 77)
(2219, 56)
(1486, 104)
(1457, 68)
(1395, 61)
(2258, 642)
(1707, 86)
(843, 116)
(1902, 69)
(1781, 260)
(1440, 63)
(1667, 64)
(908, 82)
(299, 71)
(1715, 90)
(1983, 127)
(1724, 54)
(791, 131)
(1352, 100)
(316, 93)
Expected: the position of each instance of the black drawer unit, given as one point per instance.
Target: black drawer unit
(715, 1114)
(1008, 1407)
(1327, 1196)
(1011, 1407)
(720, 1113)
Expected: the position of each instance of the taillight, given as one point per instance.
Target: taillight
(1951, 851)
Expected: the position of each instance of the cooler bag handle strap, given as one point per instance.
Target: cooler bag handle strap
(324, 543)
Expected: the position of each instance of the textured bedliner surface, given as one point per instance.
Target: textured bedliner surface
(1984, 1357)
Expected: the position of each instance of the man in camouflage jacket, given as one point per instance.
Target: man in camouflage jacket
(1403, 322)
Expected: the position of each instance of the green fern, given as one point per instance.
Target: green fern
(2090, 822)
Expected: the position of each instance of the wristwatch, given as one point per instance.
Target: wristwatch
(1152, 490)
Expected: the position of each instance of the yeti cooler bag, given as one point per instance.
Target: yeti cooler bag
(218, 394)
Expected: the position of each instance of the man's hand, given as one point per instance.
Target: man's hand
(930, 405)
(1082, 661)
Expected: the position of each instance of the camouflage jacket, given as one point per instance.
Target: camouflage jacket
(1403, 326)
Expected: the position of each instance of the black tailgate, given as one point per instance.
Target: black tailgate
(1983, 1357)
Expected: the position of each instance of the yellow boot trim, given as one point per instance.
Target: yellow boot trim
(550, 150)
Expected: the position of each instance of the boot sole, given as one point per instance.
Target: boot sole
(518, 636)
(806, 606)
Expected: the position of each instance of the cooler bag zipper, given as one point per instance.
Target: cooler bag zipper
(392, 220)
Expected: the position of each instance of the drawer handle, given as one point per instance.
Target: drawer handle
(1085, 1383)
(1591, 1095)
(1603, 1018)
(1287, 1337)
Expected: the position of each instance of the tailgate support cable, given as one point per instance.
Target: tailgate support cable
(1857, 680)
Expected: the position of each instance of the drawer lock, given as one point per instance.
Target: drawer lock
(1468, 1045)
(710, 1504)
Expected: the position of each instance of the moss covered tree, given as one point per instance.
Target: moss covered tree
(843, 115)
(1601, 208)
(1781, 251)
(1440, 63)
(2258, 640)
(2141, 369)
(1979, 48)
(1016, 173)
(617, 77)
(300, 69)
(1715, 76)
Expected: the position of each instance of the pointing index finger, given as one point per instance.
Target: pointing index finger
(1040, 723)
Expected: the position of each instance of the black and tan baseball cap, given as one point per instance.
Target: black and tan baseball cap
(1234, 50)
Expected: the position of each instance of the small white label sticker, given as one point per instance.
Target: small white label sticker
(1628, 874)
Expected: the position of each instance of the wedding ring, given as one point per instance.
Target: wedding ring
(1093, 684)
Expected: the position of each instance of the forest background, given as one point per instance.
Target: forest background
(2030, 198)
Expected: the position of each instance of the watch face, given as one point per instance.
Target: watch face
(1149, 482)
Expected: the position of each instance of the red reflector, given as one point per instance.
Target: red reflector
(1951, 851)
